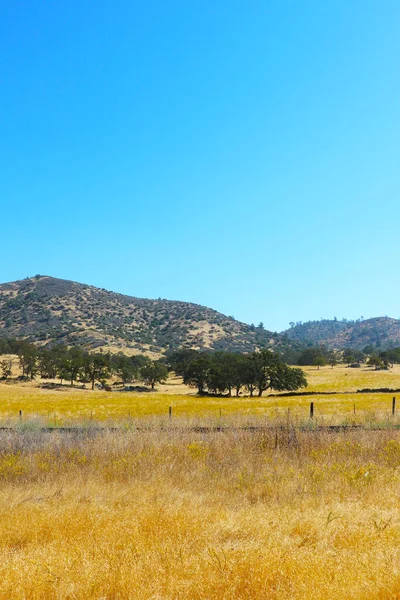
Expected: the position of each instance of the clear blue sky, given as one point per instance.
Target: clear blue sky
(243, 155)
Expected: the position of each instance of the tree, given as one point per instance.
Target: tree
(95, 367)
(27, 355)
(309, 355)
(178, 361)
(72, 364)
(153, 372)
(378, 363)
(197, 371)
(352, 356)
(319, 361)
(390, 356)
(224, 373)
(47, 363)
(6, 367)
(249, 370)
(216, 381)
(331, 358)
(274, 374)
(240, 372)
(266, 363)
(125, 368)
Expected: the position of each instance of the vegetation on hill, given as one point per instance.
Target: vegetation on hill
(320, 356)
(46, 310)
(379, 332)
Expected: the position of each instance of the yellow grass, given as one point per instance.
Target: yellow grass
(170, 514)
(228, 516)
(342, 378)
(76, 405)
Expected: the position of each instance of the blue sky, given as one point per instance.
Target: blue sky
(243, 155)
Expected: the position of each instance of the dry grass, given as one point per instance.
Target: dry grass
(342, 378)
(80, 406)
(71, 405)
(170, 515)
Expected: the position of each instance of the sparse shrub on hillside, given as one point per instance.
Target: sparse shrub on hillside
(47, 309)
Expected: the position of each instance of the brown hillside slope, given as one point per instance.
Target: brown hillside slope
(47, 310)
(381, 332)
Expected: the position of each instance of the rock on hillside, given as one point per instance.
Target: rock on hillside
(49, 310)
(381, 332)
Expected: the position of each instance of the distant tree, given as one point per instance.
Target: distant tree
(154, 372)
(177, 361)
(197, 371)
(95, 367)
(319, 361)
(239, 375)
(348, 356)
(48, 362)
(310, 355)
(72, 363)
(272, 373)
(124, 368)
(27, 355)
(391, 356)
(6, 367)
(378, 363)
(250, 373)
(216, 381)
(225, 373)
(352, 356)
(332, 359)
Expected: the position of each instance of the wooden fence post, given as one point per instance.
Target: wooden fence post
(311, 410)
(393, 405)
(20, 415)
(170, 412)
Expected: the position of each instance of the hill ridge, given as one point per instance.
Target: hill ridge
(50, 310)
(380, 332)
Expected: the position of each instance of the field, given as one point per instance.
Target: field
(168, 513)
(72, 405)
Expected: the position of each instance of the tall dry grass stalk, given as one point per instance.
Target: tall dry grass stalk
(284, 514)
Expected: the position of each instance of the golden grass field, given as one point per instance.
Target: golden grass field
(172, 514)
(72, 405)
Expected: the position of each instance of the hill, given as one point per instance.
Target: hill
(48, 310)
(380, 332)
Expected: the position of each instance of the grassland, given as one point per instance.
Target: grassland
(168, 513)
(72, 405)
(226, 516)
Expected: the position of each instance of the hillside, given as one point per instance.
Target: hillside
(380, 332)
(49, 310)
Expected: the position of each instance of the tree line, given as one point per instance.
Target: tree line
(320, 356)
(209, 372)
(74, 364)
(226, 372)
